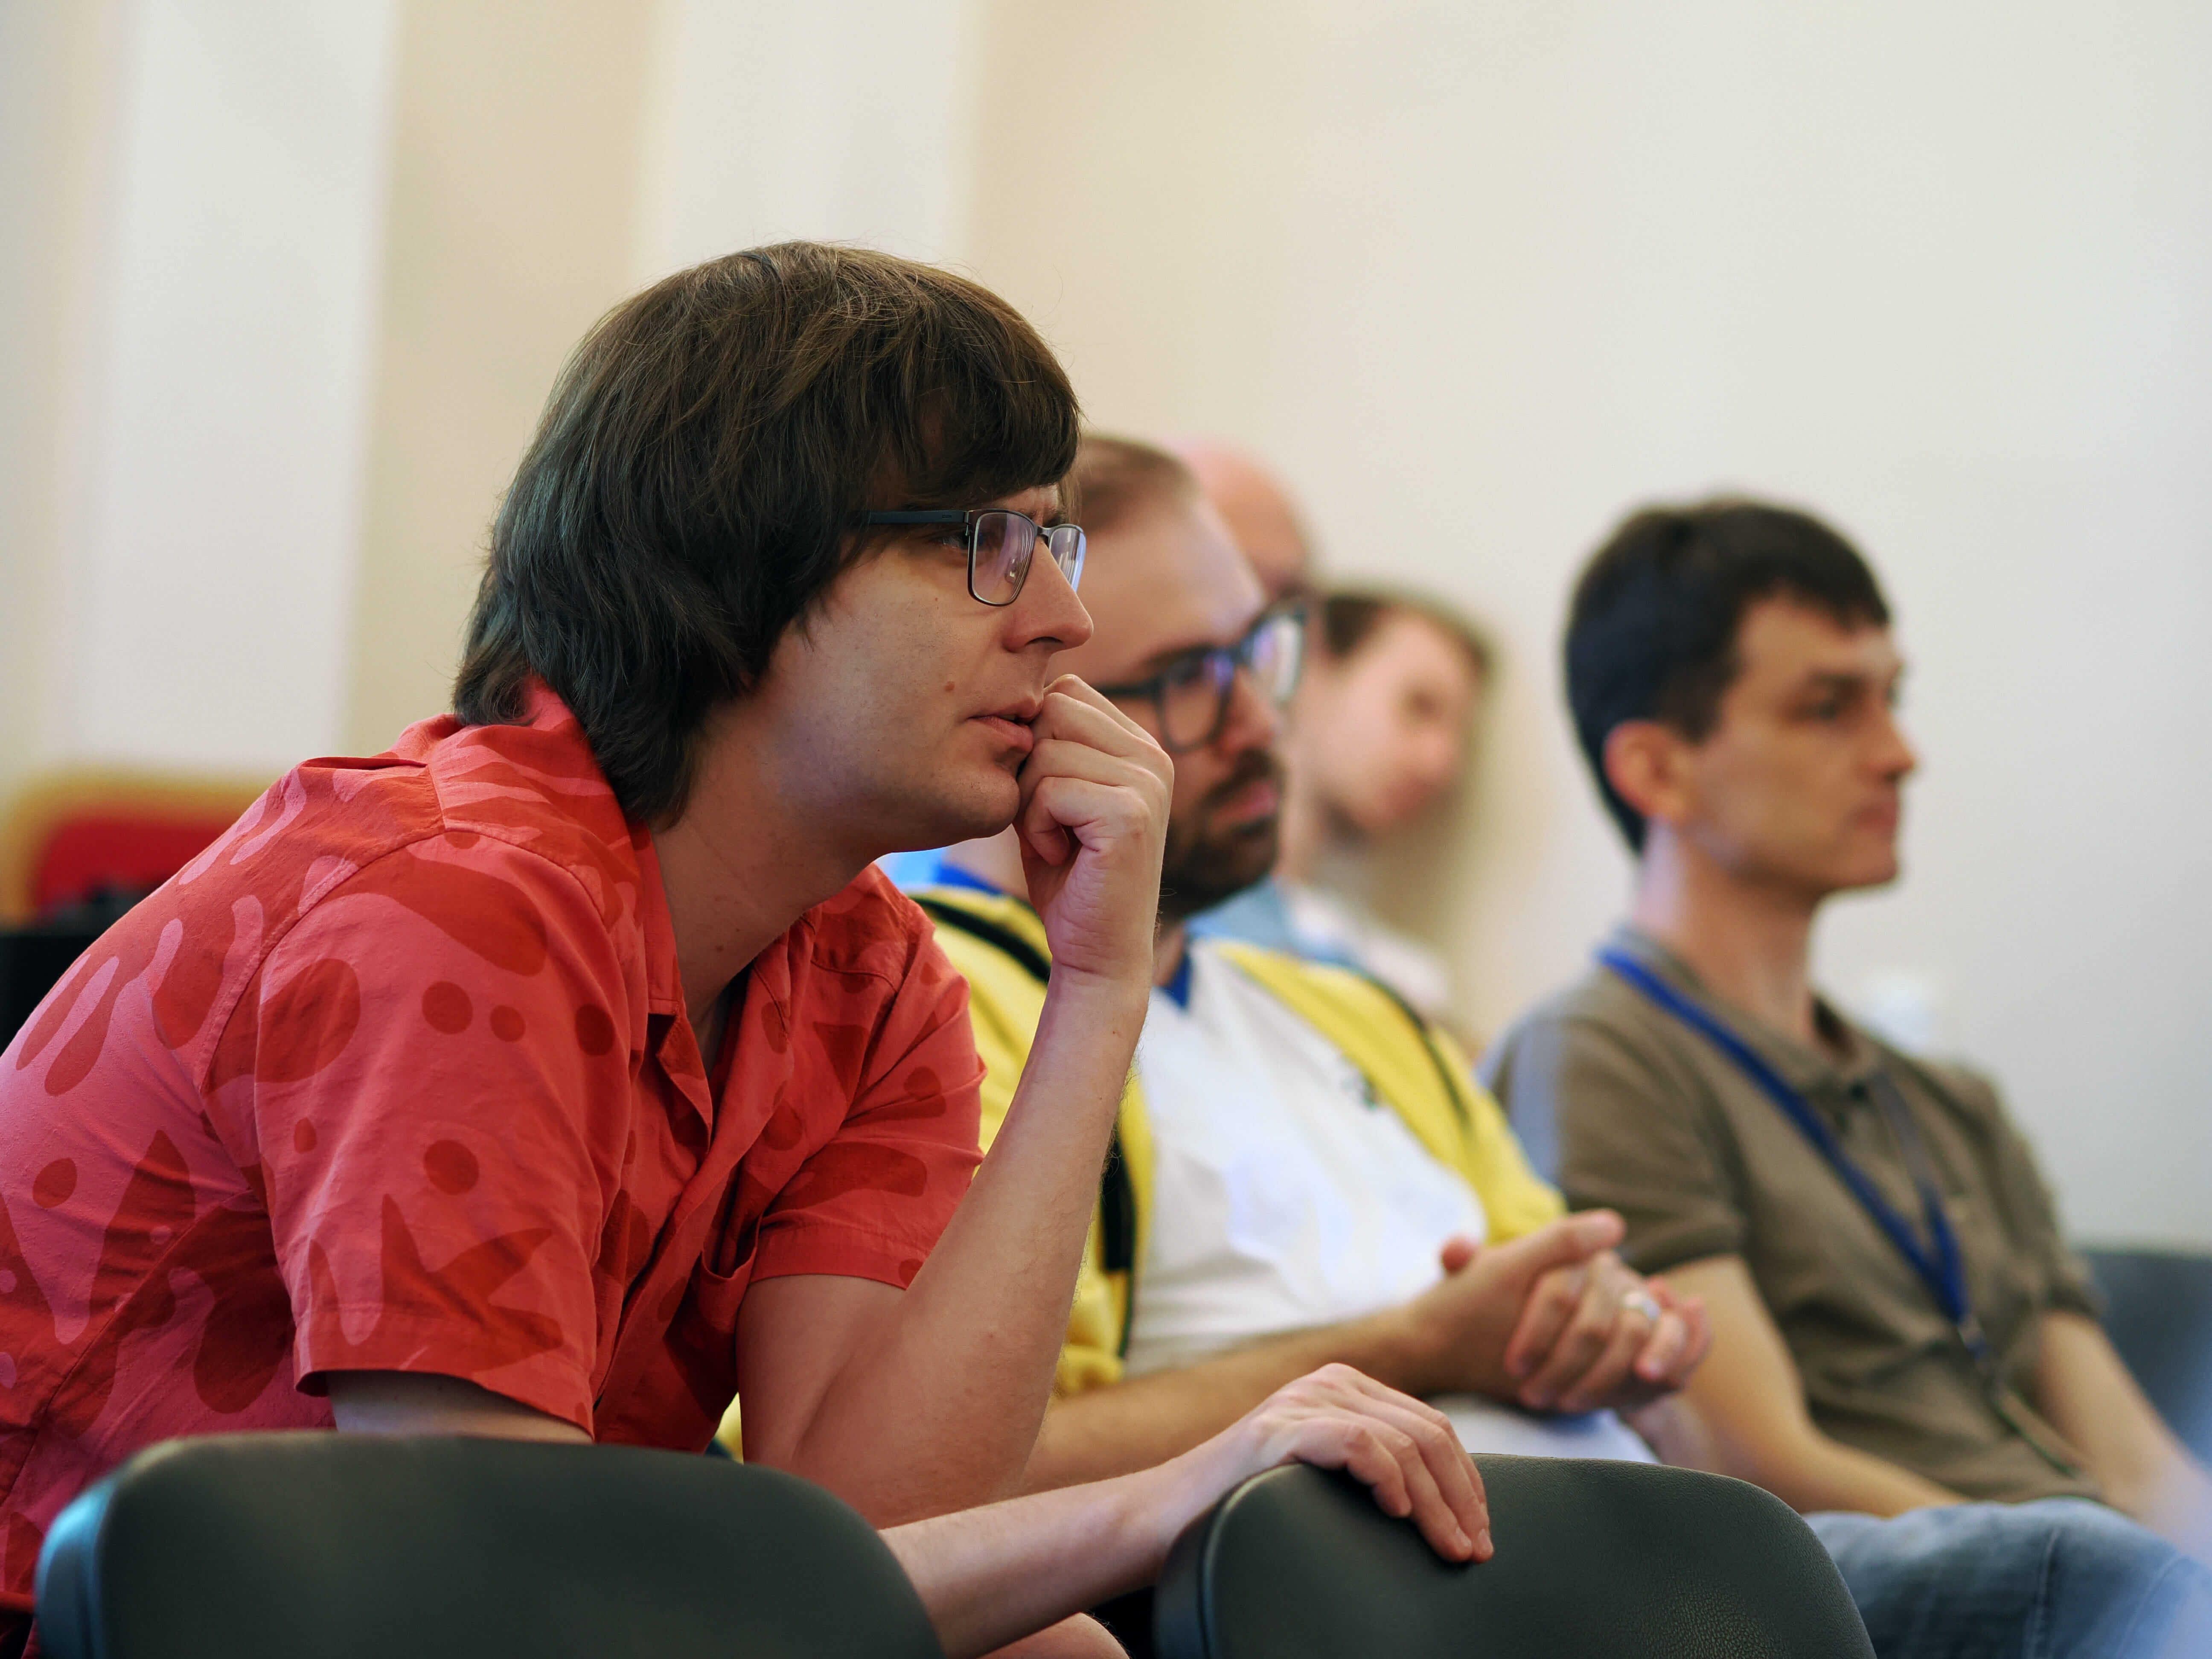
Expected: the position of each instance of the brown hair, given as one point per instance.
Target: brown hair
(1350, 616)
(693, 484)
(1115, 477)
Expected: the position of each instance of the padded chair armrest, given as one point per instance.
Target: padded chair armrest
(1593, 1557)
(359, 1546)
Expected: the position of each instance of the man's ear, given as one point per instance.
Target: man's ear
(1643, 764)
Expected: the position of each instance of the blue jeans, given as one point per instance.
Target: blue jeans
(2060, 1578)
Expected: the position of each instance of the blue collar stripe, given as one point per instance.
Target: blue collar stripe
(1943, 1273)
(1178, 989)
(950, 874)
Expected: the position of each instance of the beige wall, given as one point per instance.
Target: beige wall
(194, 199)
(513, 188)
(54, 108)
(1482, 276)
(541, 174)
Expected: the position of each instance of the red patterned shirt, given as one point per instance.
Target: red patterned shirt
(395, 1076)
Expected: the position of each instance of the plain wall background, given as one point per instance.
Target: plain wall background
(1481, 277)
(283, 289)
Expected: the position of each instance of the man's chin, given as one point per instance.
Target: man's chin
(1860, 876)
(975, 814)
(1194, 883)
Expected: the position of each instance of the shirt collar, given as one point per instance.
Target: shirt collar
(663, 982)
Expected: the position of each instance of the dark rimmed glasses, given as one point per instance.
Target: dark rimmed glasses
(1000, 544)
(1191, 695)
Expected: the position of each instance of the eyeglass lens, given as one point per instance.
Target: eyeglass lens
(1002, 545)
(1194, 697)
(1275, 652)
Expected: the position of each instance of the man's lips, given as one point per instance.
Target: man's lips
(1014, 733)
(1262, 797)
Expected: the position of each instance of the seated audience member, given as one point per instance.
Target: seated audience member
(1380, 733)
(1304, 1173)
(1897, 1321)
(1381, 729)
(1293, 1148)
(566, 1068)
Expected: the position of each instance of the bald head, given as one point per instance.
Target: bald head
(1258, 510)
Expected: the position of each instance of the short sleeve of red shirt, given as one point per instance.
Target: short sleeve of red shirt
(871, 1200)
(441, 1114)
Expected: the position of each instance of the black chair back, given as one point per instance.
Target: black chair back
(353, 1546)
(1597, 1558)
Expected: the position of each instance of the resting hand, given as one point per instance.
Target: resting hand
(1092, 822)
(1458, 1330)
(1337, 1418)
(1600, 1335)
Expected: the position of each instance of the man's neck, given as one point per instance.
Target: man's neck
(998, 861)
(738, 873)
(1749, 941)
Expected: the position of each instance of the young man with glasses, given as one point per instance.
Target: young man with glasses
(1305, 1172)
(567, 1068)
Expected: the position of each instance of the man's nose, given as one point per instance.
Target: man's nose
(1897, 758)
(1047, 610)
(1255, 718)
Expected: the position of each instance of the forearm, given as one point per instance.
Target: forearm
(938, 1407)
(989, 1575)
(1676, 1434)
(1811, 1472)
(2085, 1390)
(1113, 1431)
(1749, 1400)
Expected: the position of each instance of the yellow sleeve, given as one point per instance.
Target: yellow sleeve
(1004, 1002)
(1516, 1199)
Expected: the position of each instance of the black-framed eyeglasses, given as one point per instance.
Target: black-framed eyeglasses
(1191, 695)
(1000, 544)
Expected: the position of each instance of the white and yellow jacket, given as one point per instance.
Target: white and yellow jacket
(999, 943)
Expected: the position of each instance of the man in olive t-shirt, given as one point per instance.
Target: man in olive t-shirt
(1896, 1324)
(1654, 1119)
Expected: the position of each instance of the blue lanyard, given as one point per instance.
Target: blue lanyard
(1943, 1273)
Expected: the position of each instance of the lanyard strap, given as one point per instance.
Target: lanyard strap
(1943, 1273)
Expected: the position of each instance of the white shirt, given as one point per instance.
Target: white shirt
(1286, 1196)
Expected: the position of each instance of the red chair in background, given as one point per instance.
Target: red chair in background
(73, 838)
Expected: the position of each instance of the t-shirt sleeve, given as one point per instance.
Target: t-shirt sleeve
(871, 1201)
(2030, 1211)
(434, 1103)
(1632, 1135)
